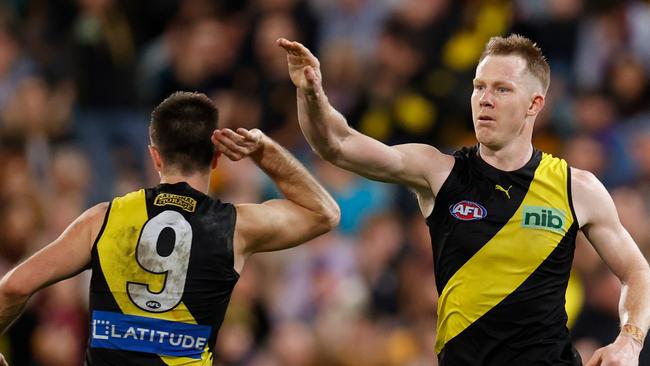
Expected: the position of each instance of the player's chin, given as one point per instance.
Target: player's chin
(485, 136)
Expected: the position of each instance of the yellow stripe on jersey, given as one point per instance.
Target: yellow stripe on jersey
(117, 257)
(511, 256)
(575, 298)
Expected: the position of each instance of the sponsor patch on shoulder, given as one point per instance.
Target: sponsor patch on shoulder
(468, 211)
(186, 203)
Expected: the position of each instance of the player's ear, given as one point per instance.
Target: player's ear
(536, 104)
(155, 157)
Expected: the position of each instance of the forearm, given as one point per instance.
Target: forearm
(12, 303)
(293, 180)
(634, 306)
(634, 311)
(323, 126)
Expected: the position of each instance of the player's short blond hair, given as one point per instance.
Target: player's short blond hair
(523, 47)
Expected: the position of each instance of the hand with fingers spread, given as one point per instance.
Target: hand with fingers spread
(304, 67)
(238, 144)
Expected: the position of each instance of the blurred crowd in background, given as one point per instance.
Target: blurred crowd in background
(78, 79)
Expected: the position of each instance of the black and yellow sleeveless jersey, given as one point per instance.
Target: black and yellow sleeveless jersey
(503, 244)
(162, 276)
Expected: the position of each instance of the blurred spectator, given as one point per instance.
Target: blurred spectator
(39, 115)
(108, 110)
(356, 21)
(277, 95)
(612, 28)
(202, 58)
(380, 257)
(293, 344)
(598, 323)
(628, 85)
(59, 337)
(318, 280)
(596, 115)
(399, 70)
(15, 66)
(358, 197)
(554, 27)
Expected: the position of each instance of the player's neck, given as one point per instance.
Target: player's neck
(508, 158)
(198, 181)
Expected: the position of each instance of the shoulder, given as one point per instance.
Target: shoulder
(436, 168)
(423, 152)
(94, 218)
(248, 216)
(591, 200)
(432, 155)
(251, 214)
(94, 215)
(426, 159)
(131, 198)
(462, 158)
(457, 161)
(99, 209)
(584, 182)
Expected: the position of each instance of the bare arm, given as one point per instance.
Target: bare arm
(307, 211)
(600, 223)
(421, 167)
(68, 255)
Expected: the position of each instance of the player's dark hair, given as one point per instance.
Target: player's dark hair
(523, 47)
(181, 127)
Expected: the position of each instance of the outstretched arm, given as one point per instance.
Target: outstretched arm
(307, 211)
(68, 255)
(421, 167)
(619, 251)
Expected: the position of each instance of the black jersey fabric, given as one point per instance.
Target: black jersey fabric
(162, 276)
(503, 244)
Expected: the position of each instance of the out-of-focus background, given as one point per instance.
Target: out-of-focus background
(78, 79)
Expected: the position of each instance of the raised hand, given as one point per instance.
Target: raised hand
(238, 144)
(304, 67)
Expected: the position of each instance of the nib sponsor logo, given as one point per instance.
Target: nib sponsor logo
(545, 218)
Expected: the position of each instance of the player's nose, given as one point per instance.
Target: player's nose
(486, 100)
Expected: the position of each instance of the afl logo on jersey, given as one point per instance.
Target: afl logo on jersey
(467, 211)
(153, 304)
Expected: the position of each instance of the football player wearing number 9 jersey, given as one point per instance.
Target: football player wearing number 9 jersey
(165, 259)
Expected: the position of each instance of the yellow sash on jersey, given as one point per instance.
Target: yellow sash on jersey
(117, 257)
(511, 256)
